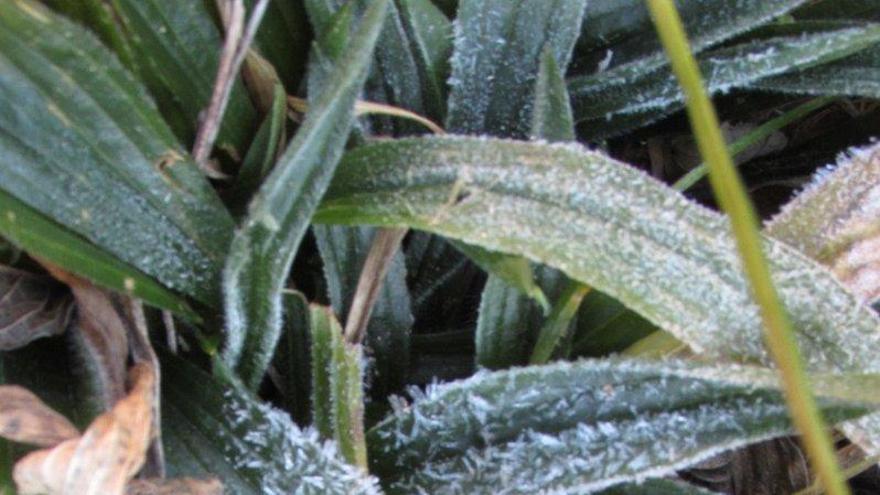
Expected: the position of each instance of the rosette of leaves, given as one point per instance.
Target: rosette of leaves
(545, 235)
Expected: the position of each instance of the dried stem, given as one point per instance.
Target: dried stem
(235, 48)
(372, 276)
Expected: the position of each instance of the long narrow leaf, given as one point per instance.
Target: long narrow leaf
(555, 204)
(580, 427)
(263, 249)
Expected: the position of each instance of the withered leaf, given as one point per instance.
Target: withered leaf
(25, 418)
(177, 486)
(101, 334)
(31, 307)
(105, 458)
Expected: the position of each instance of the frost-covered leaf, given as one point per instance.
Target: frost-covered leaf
(618, 39)
(835, 221)
(343, 251)
(411, 57)
(212, 429)
(82, 144)
(856, 75)
(580, 427)
(650, 96)
(263, 249)
(498, 44)
(614, 228)
(503, 326)
(31, 307)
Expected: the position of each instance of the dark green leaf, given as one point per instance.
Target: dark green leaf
(46, 240)
(283, 39)
(263, 249)
(176, 49)
(263, 151)
(514, 271)
(856, 75)
(551, 111)
(672, 261)
(82, 145)
(627, 100)
(618, 38)
(498, 44)
(292, 358)
(580, 427)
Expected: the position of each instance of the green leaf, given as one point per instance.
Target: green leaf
(430, 41)
(627, 102)
(263, 249)
(337, 392)
(292, 358)
(619, 39)
(856, 75)
(283, 39)
(604, 326)
(670, 260)
(503, 326)
(41, 237)
(551, 111)
(215, 429)
(343, 251)
(498, 44)
(263, 151)
(82, 145)
(176, 49)
(580, 427)
(31, 307)
(514, 271)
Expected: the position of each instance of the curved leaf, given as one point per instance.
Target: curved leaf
(610, 226)
(580, 427)
(278, 216)
(81, 144)
(31, 307)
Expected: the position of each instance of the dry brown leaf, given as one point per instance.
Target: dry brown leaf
(25, 418)
(105, 458)
(31, 307)
(177, 486)
(102, 334)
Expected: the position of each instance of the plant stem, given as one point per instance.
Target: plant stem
(556, 325)
(754, 136)
(732, 197)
